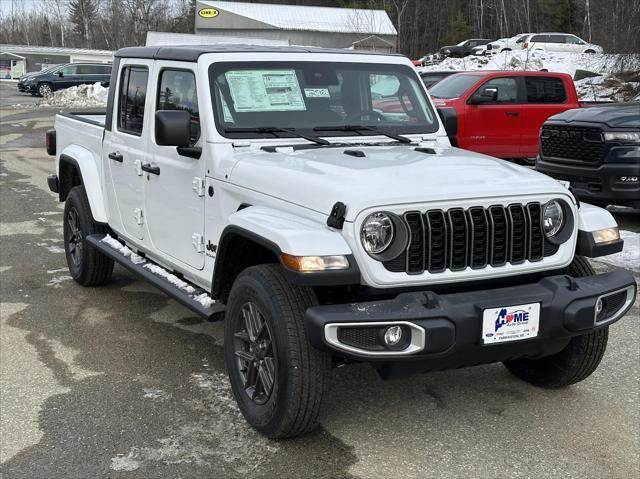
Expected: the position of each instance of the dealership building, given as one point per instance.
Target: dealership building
(16, 60)
(297, 25)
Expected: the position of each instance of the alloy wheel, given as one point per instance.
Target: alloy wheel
(75, 237)
(254, 354)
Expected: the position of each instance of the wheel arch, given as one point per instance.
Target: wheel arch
(76, 166)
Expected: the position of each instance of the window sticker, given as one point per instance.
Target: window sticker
(265, 90)
(317, 93)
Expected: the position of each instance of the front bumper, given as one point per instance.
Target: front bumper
(452, 323)
(600, 184)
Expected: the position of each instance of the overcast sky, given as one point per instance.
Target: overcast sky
(5, 5)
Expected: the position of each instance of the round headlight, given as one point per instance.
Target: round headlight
(552, 218)
(377, 232)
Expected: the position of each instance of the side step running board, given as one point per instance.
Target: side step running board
(211, 313)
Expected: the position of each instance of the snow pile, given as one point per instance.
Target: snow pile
(604, 86)
(629, 257)
(81, 96)
(198, 295)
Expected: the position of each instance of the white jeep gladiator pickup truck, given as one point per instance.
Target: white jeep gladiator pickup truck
(312, 199)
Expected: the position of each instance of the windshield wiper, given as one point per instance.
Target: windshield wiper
(359, 128)
(275, 129)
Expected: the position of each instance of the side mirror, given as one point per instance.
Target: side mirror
(60, 74)
(485, 95)
(173, 128)
(449, 119)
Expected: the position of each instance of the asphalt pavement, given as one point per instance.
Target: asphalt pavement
(120, 381)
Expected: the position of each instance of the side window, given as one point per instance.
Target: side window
(557, 39)
(105, 70)
(86, 70)
(572, 40)
(70, 70)
(177, 91)
(133, 92)
(507, 89)
(540, 39)
(545, 90)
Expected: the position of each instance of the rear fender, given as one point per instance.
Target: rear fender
(75, 159)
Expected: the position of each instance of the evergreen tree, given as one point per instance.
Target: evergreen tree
(82, 16)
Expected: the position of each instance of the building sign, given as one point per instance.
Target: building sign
(208, 12)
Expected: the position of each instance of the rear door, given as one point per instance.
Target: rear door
(494, 128)
(545, 96)
(125, 148)
(175, 195)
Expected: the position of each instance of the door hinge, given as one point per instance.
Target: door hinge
(138, 216)
(138, 166)
(197, 185)
(197, 241)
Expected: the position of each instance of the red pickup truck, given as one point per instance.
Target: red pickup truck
(500, 113)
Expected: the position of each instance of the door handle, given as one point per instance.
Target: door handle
(512, 113)
(115, 156)
(149, 168)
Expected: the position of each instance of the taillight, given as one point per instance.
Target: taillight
(50, 142)
(525, 45)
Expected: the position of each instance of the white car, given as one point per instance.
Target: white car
(270, 187)
(507, 44)
(559, 42)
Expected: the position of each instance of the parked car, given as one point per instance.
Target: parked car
(463, 48)
(430, 78)
(597, 150)
(480, 50)
(507, 44)
(559, 42)
(500, 112)
(65, 76)
(22, 80)
(324, 232)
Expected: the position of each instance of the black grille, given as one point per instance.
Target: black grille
(572, 143)
(458, 239)
(363, 338)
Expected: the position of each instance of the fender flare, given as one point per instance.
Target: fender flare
(86, 165)
(593, 218)
(279, 232)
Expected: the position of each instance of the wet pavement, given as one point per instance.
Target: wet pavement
(121, 382)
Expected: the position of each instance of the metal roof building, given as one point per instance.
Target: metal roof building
(15, 60)
(298, 25)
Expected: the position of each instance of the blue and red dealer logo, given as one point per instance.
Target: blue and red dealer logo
(506, 318)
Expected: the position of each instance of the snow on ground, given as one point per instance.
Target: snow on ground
(596, 88)
(81, 96)
(629, 257)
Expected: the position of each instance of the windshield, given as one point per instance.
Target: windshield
(453, 86)
(250, 100)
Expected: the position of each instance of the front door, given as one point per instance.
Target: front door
(496, 125)
(175, 196)
(125, 149)
(67, 77)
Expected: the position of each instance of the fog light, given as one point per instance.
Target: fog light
(393, 336)
(599, 306)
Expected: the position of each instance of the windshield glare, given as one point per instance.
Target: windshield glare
(302, 96)
(453, 86)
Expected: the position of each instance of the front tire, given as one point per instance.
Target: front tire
(276, 376)
(45, 89)
(576, 362)
(87, 266)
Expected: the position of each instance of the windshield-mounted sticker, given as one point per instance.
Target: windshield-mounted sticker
(316, 93)
(265, 90)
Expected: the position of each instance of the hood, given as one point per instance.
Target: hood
(613, 115)
(387, 175)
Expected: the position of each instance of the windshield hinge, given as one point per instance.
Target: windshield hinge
(197, 185)
(336, 218)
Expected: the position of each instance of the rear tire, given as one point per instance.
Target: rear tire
(576, 362)
(87, 266)
(276, 376)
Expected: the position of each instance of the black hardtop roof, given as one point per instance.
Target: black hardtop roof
(190, 53)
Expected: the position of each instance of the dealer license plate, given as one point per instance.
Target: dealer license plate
(510, 323)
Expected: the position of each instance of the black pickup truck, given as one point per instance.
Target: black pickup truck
(597, 150)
